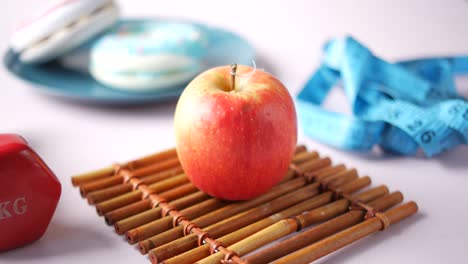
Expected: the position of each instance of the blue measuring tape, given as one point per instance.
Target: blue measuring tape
(401, 107)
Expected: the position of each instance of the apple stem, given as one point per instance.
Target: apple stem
(233, 76)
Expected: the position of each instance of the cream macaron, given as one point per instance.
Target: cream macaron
(62, 27)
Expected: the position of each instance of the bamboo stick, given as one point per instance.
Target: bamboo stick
(137, 173)
(235, 222)
(100, 184)
(135, 196)
(387, 201)
(229, 239)
(338, 223)
(161, 225)
(257, 213)
(143, 205)
(122, 226)
(278, 230)
(220, 214)
(371, 194)
(341, 177)
(232, 226)
(328, 228)
(109, 171)
(299, 149)
(114, 191)
(178, 246)
(291, 225)
(328, 171)
(105, 172)
(348, 187)
(127, 211)
(314, 167)
(145, 218)
(152, 229)
(310, 165)
(304, 156)
(349, 235)
(179, 191)
(108, 193)
(314, 164)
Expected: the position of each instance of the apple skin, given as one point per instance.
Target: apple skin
(237, 144)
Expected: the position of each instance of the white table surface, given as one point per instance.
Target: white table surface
(288, 35)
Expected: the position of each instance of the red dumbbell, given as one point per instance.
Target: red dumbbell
(29, 193)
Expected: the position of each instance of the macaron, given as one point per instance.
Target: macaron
(62, 27)
(142, 55)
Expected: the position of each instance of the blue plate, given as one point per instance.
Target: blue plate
(61, 81)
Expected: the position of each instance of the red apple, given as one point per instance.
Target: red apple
(235, 133)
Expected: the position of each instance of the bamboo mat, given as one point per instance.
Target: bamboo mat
(152, 202)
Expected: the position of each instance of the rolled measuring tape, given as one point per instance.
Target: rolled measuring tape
(29, 193)
(401, 107)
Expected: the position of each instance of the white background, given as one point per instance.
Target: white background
(288, 35)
